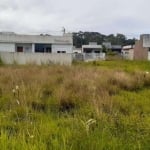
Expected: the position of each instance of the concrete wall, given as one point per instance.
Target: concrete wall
(140, 53)
(10, 47)
(88, 56)
(62, 47)
(36, 58)
(93, 56)
(146, 40)
(148, 55)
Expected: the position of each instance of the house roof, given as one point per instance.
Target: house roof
(10, 37)
(92, 46)
(116, 47)
(127, 47)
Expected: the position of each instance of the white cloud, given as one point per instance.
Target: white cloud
(105, 16)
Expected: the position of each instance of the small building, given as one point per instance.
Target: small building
(12, 42)
(116, 48)
(113, 48)
(93, 51)
(142, 48)
(92, 48)
(128, 52)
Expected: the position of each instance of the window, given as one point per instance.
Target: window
(97, 51)
(61, 51)
(48, 50)
(43, 48)
(19, 49)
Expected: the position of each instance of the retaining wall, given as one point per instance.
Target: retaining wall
(36, 58)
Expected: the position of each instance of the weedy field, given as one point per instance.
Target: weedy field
(86, 106)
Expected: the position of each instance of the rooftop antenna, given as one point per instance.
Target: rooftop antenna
(63, 30)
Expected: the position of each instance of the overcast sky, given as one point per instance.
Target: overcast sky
(130, 17)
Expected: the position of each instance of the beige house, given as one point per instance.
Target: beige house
(142, 48)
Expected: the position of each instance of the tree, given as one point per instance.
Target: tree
(80, 38)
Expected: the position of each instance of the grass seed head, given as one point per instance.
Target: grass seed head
(14, 91)
(17, 87)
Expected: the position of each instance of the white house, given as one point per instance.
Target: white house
(114, 48)
(93, 51)
(128, 52)
(12, 42)
(93, 47)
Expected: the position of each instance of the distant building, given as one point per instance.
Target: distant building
(92, 52)
(116, 48)
(92, 48)
(142, 48)
(12, 42)
(113, 48)
(128, 52)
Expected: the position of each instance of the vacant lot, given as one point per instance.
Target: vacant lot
(92, 106)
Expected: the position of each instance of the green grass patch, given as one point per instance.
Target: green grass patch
(89, 106)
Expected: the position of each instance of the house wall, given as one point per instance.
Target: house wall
(62, 47)
(27, 48)
(36, 58)
(148, 55)
(128, 54)
(146, 40)
(12, 47)
(140, 53)
(9, 47)
(33, 47)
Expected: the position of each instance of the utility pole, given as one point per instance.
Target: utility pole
(63, 30)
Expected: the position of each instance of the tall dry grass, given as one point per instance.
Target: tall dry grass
(69, 86)
(78, 107)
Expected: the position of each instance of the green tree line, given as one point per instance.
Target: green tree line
(80, 38)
